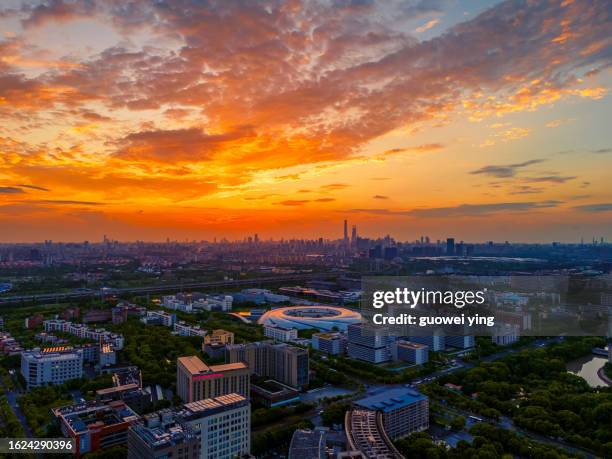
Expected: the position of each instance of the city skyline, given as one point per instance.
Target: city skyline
(483, 121)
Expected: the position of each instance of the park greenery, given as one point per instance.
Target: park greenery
(277, 438)
(264, 416)
(489, 442)
(534, 389)
(155, 350)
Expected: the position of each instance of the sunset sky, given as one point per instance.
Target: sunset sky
(198, 119)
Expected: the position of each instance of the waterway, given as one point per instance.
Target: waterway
(587, 368)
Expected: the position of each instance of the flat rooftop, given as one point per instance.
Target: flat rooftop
(391, 399)
(212, 405)
(79, 417)
(411, 344)
(195, 366)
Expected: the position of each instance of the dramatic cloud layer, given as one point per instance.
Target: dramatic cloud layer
(175, 101)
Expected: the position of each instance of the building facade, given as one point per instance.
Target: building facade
(370, 344)
(54, 365)
(95, 425)
(282, 362)
(410, 352)
(329, 343)
(280, 333)
(404, 411)
(224, 424)
(197, 381)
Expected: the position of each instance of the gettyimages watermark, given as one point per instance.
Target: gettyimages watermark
(488, 305)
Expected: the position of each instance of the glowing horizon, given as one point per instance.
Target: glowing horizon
(486, 120)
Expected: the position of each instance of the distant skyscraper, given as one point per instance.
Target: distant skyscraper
(450, 246)
(354, 235)
(346, 231)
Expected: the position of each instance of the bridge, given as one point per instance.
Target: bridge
(60, 297)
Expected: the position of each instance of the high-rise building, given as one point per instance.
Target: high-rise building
(282, 362)
(450, 246)
(224, 424)
(346, 238)
(54, 365)
(354, 235)
(197, 381)
(404, 411)
(370, 344)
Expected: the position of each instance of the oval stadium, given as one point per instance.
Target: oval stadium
(302, 317)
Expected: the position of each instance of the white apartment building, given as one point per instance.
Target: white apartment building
(214, 303)
(83, 331)
(280, 333)
(184, 329)
(162, 317)
(173, 302)
(54, 365)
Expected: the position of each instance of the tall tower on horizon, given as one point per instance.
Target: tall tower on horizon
(354, 235)
(346, 232)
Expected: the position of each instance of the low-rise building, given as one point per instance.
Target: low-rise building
(271, 393)
(33, 321)
(436, 342)
(108, 356)
(280, 333)
(97, 315)
(159, 318)
(219, 336)
(410, 352)
(333, 343)
(506, 334)
(161, 435)
(404, 411)
(100, 335)
(95, 425)
(307, 444)
(461, 341)
(221, 303)
(366, 437)
(184, 329)
(127, 386)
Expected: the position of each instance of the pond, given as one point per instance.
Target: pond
(587, 368)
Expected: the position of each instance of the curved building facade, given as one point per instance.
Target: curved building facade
(304, 317)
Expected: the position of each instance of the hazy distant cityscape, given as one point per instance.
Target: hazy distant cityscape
(257, 348)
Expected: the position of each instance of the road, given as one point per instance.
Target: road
(506, 423)
(75, 295)
(11, 398)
